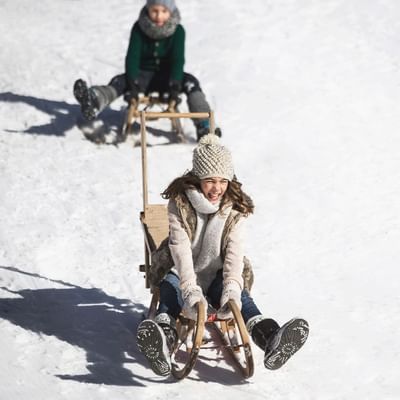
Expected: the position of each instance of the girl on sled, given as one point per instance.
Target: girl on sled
(206, 210)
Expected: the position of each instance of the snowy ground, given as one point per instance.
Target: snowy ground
(308, 96)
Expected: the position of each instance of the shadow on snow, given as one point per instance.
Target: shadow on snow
(64, 116)
(103, 326)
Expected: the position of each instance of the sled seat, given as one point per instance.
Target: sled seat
(154, 221)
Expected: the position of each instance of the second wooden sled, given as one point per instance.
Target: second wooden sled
(232, 332)
(148, 103)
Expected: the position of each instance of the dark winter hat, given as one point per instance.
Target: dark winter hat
(170, 4)
(211, 159)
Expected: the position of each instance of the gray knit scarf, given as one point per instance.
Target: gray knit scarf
(206, 244)
(158, 32)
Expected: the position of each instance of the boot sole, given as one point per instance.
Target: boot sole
(81, 93)
(288, 341)
(152, 344)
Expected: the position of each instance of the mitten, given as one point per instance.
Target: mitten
(133, 92)
(230, 291)
(175, 89)
(192, 294)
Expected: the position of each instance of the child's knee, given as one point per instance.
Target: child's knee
(190, 84)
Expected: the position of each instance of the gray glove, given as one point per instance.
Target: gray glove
(230, 291)
(192, 294)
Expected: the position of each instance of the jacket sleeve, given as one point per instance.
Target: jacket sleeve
(180, 245)
(132, 59)
(177, 58)
(233, 263)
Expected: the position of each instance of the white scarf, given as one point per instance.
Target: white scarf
(206, 244)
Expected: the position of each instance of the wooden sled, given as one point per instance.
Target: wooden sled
(232, 332)
(191, 339)
(149, 103)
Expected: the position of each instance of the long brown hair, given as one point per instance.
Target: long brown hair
(234, 194)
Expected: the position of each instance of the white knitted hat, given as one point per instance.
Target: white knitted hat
(211, 159)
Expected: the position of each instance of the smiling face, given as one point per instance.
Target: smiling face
(214, 188)
(159, 14)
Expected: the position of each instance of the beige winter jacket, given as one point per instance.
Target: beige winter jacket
(175, 251)
(181, 251)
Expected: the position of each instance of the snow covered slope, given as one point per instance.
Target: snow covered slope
(308, 96)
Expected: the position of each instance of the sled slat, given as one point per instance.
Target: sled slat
(150, 115)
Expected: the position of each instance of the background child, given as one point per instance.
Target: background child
(206, 210)
(154, 63)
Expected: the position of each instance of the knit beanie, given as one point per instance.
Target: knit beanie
(211, 159)
(170, 4)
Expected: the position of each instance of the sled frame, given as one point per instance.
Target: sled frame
(154, 217)
(232, 332)
(234, 335)
(147, 103)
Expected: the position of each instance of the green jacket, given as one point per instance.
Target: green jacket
(166, 55)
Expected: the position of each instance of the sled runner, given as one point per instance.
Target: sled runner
(232, 333)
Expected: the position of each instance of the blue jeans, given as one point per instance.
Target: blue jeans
(171, 301)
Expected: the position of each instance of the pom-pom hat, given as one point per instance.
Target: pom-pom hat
(211, 159)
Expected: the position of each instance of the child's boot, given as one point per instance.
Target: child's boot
(203, 128)
(156, 340)
(93, 100)
(197, 103)
(87, 99)
(279, 344)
